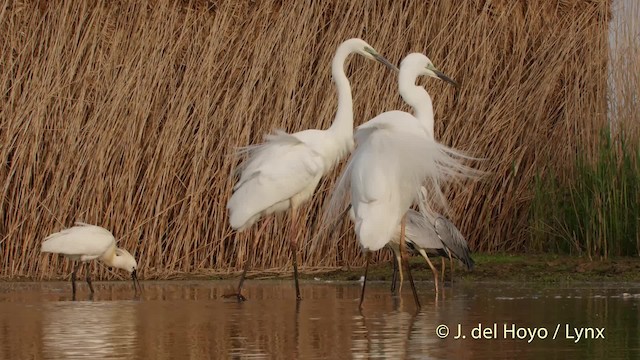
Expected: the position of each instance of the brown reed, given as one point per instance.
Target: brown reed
(126, 114)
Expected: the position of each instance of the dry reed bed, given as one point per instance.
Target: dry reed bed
(125, 114)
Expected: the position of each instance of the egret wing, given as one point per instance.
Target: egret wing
(387, 169)
(342, 190)
(277, 171)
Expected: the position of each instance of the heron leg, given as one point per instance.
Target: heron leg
(88, 270)
(73, 279)
(433, 269)
(451, 266)
(293, 243)
(364, 284)
(443, 268)
(405, 260)
(247, 264)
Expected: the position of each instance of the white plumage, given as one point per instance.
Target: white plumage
(85, 242)
(284, 171)
(82, 242)
(396, 153)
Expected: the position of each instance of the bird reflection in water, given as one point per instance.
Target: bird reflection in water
(91, 330)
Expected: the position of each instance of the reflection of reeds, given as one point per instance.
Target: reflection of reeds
(125, 114)
(597, 210)
(179, 320)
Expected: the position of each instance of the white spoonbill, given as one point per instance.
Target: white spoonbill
(83, 243)
(396, 152)
(284, 171)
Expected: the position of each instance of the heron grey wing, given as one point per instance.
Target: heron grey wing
(453, 240)
(420, 232)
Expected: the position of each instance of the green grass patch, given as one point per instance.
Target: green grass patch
(595, 212)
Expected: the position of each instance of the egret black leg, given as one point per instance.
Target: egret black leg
(88, 266)
(364, 284)
(73, 279)
(247, 263)
(405, 260)
(293, 242)
(394, 277)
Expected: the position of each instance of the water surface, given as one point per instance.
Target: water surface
(191, 320)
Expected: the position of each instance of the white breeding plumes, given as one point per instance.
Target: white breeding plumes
(283, 172)
(395, 154)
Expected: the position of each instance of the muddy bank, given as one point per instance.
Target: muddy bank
(496, 267)
(502, 267)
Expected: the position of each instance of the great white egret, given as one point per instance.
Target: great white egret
(284, 171)
(83, 243)
(396, 153)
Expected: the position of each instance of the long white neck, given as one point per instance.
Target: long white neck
(418, 98)
(343, 123)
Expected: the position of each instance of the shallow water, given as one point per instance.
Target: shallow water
(190, 320)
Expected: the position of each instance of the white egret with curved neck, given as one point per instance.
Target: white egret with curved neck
(283, 172)
(396, 153)
(85, 242)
